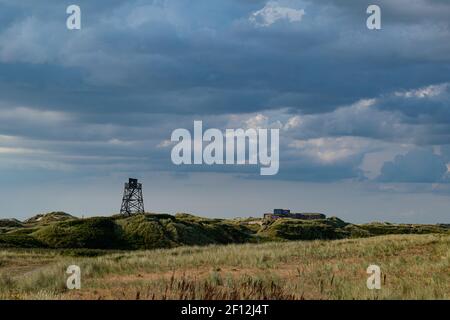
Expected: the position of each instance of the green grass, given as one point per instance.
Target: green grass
(100, 233)
(50, 217)
(413, 267)
(10, 223)
(151, 231)
(389, 228)
(292, 229)
(20, 241)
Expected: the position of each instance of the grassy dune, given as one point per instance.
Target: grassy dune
(58, 230)
(413, 267)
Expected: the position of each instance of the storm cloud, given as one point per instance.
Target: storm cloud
(351, 103)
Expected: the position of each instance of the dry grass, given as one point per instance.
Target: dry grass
(413, 266)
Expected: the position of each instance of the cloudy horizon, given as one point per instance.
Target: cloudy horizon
(363, 114)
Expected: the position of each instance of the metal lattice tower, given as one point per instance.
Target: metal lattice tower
(132, 201)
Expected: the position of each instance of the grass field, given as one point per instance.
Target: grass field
(413, 267)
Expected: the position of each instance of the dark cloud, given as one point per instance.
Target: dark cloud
(158, 56)
(139, 69)
(415, 166)
(428, 104)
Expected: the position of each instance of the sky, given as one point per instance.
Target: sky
(363, 114)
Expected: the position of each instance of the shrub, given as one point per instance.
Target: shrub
(95, 233)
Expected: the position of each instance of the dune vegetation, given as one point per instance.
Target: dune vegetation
(60, 230)
(413, 267)
(182, 256)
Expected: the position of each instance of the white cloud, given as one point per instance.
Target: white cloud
(333, 149)
(26, 114)
(119, 142)
(272, 12)
(7, 150)
(293, 122)
(425, 92)
(258, 121)
(164, 144)
(11, 150)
